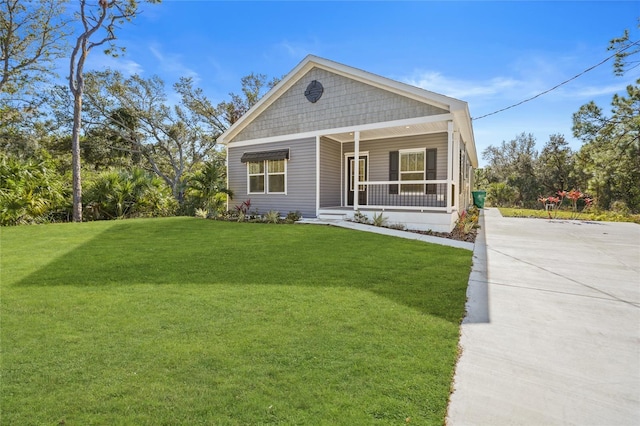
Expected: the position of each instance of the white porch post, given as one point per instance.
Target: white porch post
(317, 176)
(456, 169)
(356, 169)
(449, 165)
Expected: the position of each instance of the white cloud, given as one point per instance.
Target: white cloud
(464, 89)
(126, 66)
(170, 63)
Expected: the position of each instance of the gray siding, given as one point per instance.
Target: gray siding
(301, 176)
(345, 102)
(330, 170)
(379, 152)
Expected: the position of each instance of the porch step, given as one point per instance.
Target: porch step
(332, 216)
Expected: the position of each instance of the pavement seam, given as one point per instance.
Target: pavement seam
(612, 296)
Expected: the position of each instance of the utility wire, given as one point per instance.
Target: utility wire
(558, 85)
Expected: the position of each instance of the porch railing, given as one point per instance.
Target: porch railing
(410, 194)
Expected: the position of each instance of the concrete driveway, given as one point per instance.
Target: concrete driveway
(552, 334)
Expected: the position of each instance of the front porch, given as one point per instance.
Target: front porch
(409, 174)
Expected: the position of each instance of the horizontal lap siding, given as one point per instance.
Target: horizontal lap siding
(301, 174)
(330, 181)
(378, 155)
(379, 152)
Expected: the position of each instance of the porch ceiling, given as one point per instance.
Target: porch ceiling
(392, 132)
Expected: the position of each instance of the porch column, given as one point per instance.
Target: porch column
(317, 176)
(449, 164)
(456, 169)
(356, 169)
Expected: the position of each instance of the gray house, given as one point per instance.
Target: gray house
(330, 140)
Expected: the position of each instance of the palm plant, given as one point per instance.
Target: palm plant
(30, 190)
(206, 185)
(127, 193)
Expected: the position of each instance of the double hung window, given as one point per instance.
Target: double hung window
(412, 167)
(267, 176)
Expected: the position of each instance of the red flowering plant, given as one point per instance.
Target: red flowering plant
(551, 204)
(574, 195)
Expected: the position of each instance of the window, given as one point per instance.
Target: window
(256, 177)
(412, 168)
(275, 175)
(267, 174)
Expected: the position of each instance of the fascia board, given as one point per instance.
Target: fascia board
(359, 128)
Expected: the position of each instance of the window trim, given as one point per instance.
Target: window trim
(424, 170)
(265, 174)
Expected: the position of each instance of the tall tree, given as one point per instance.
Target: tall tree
(171, 139)
(32, 36)
(610, 155)
(555, 165)
(99, 22)
(513, 163)
(253, 88)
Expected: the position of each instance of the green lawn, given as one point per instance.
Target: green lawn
(186, 321)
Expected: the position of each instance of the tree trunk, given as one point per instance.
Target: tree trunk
(75, 157)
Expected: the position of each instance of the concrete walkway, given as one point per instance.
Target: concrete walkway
(552, 334)
(390, 232)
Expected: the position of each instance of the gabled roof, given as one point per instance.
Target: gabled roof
(455, 106)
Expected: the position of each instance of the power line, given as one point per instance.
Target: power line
(558, 85)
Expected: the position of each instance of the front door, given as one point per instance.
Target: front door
(362, 176)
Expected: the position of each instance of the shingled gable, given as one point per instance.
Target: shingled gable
(406, 102)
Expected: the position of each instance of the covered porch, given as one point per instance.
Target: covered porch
(410, 170)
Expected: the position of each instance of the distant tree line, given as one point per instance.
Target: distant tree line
(606, 167)
(141, 154)
(145, 156)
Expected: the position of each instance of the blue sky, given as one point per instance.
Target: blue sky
(489, 54)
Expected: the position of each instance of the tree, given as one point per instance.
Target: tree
(207, 186)
(555, 165)
(99, 22)
(252, 91)
(32, 36)
(513, 163)
(610, 155)
(173, 140)
(625, 49)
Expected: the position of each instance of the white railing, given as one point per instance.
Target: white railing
(406, 194)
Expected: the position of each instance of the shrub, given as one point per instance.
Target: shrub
(379, 219)
(360, 217)
(272, 216)
(293, 217)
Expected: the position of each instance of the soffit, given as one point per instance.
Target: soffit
(391, 132)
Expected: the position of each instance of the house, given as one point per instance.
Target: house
(330, 140)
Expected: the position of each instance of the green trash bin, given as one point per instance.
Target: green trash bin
(478, 198)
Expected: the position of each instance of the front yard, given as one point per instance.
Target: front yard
(187, 321)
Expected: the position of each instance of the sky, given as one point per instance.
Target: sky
(489, 54)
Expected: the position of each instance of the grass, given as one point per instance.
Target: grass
(565, 214)
(186, 321)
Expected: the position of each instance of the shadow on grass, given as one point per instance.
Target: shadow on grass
(430, 278)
